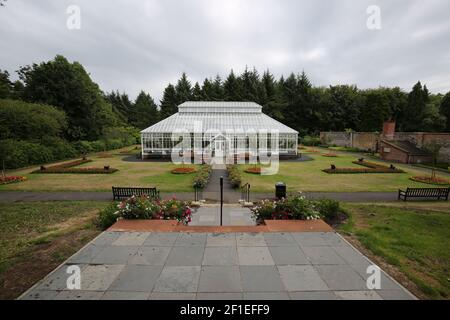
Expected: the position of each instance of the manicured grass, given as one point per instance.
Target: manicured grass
(414, 237)
(308, 176)
(37, 236)
(130, 174)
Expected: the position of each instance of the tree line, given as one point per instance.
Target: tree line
(55, 110)
(308, 109)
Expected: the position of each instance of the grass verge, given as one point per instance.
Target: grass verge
(412, 237)
(35, 237)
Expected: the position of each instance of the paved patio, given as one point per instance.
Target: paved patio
(270, 265)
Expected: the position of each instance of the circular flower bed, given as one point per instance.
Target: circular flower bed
(254, 170)
(11, 179)
(429, 180)
(183, 170)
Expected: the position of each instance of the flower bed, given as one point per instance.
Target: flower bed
(68, 167)
(183, 170)
(234, 175)
(370, 167)
(11, 179)
(296, 208)
(253, 170)
(104, 155)
(429, 180)
(202, 176)
(329, 155)
(145, 207)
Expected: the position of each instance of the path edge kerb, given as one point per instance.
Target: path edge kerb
(174, 226)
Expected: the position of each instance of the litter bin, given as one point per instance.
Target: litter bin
(280, 190)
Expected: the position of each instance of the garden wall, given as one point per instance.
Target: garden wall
(369, 140)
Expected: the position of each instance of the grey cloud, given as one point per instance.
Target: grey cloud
(134, 45)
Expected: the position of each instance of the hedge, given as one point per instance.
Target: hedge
(234, 175)
(69, 167)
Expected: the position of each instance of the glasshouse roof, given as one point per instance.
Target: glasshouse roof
(221, 116)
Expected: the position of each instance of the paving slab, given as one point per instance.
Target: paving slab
(322, 255)
(99, 277)
(221, 240)
(288, 255)
(395, 295)
(136, 278)
(220, 279)
(358, 295)
(155, 256)
(79, 295)
(254, 256)
(341, 277)
(106, 238)
(191, 239)
(172, 296)
(220, 256)
(276, 239)
(301, 278)
(131, 239)
(250, 239)
(161, 239)
(185, 256)
(178, 279)
(86, 255)
(219, 296)
(313, 295)
(125, 295)
(115, 255)
(40, 295)
(266, 296)
(261, 278)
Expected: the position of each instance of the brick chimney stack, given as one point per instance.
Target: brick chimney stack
(389, 129)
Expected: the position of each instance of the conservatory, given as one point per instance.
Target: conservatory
(219, 129)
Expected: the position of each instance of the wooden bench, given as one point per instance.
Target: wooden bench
(437, 193)
(127, 192)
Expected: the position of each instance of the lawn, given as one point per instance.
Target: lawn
(308, 176)
(137, 174)
(413, 237)
(35, 237)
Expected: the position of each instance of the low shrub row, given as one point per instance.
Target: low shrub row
(145, 207)
(21, 153)
(69, 167)
(234, 175)
(202, 176)
(296, 208)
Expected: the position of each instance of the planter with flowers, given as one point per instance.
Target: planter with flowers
(297, 207)
(145, 208)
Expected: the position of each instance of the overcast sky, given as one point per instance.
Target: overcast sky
(133, 45)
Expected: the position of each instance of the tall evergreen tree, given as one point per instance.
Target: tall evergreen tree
(232, 88)
(197, 94)
(183, 89)
(169, 102)
(144, 112)
(416, 108)
(217, 89)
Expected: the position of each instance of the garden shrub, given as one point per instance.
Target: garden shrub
(310, 141)
(234, 175)
(107, 217)
(328, 208)
(202, 176)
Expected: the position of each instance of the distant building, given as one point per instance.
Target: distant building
(219, 129)
(403, 147)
